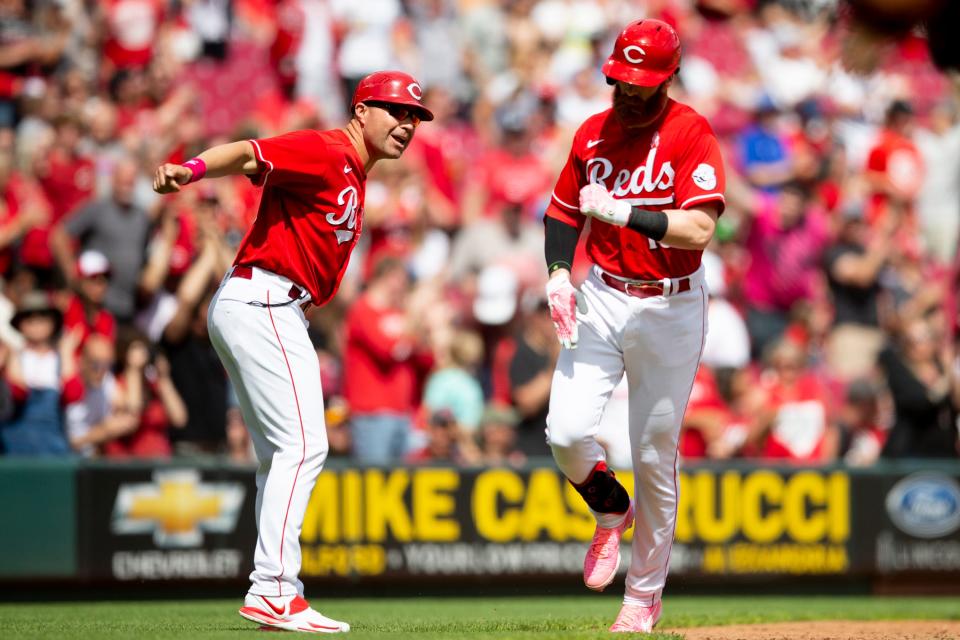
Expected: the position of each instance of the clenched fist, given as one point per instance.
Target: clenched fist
(596, 202)
(170, 177)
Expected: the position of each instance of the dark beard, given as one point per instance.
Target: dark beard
(635, 112)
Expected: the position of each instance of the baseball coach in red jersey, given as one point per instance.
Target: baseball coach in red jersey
(309, 220)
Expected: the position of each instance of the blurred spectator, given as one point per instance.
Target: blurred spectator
(785, 238)
(68, 181)
(496, 299)
(85, 309)
(894, 169)
(131, 28)
(117, 228)
(368, 32)
(710, 429)
(800, 425)
(498, 437)
(508, 240)
(446, 442)
(385, 360)
(938, 203)
(101, 415)
(23, 207)
(509, 174)
(531, 372)
(195, 369)
(44, 379)
(763, 149)
(862, 434)
(150, 396)
(453, 386)
(854, 266)
(926, 395)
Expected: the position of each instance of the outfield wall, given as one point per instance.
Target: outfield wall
(176, 522)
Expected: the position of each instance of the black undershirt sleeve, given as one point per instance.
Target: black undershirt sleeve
(560, 244)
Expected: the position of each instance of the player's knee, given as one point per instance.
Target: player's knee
(564, 433)
(317, 452)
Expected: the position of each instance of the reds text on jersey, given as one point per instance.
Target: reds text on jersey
(673, 164)
(311, 210)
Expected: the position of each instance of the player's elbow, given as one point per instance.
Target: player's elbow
(701, 238)
(699, 231)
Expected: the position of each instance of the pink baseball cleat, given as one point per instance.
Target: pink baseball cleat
(291, 614)
(636, 618)
(603, 557)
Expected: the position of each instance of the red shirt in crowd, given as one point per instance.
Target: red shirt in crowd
(311, 211)
(800, 426)
(150, 440)
(68, 182)
(16, 195)
(382, 368)
(512, 179)
(132, 27)
(898, 159)
(102, 321)
(674, 165)
(704, 397)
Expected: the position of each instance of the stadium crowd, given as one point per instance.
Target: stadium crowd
(833, 275)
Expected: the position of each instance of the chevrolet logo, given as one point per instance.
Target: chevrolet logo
(177, 507)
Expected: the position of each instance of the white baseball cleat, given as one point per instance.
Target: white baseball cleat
(290, 613)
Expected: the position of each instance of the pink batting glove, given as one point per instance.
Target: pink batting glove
(562, 298)
(596, 202)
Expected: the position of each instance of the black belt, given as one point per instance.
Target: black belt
(644, 289)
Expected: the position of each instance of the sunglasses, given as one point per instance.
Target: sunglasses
(399, 111)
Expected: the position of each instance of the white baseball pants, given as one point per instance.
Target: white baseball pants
(276, 374)
(657, 342)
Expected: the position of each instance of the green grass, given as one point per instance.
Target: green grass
(580, 618)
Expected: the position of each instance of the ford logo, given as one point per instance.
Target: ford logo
(925, 505)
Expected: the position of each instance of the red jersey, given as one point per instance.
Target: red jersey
(674, 164)
(102, 322)
(311, 209)
(802, 417)
(895, 156)
(382, 369)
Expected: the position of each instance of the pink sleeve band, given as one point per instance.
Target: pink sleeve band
(197, 166)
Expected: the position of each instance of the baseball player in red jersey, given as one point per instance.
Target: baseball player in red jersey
(309, 221)
(649, 174)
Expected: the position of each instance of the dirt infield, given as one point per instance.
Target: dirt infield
(828, 630)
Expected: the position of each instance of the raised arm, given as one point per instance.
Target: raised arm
(229, 159)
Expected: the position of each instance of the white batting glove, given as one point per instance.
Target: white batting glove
(562, 298)
(596, 202)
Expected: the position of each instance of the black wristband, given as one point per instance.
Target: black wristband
(560, 243)
(652, 224)
(559, 264)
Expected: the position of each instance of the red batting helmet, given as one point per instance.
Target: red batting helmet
(395, 87)
(646, 53)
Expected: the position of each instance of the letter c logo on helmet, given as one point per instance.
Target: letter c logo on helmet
(395, 87)
(628, 54)
(646, 53)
